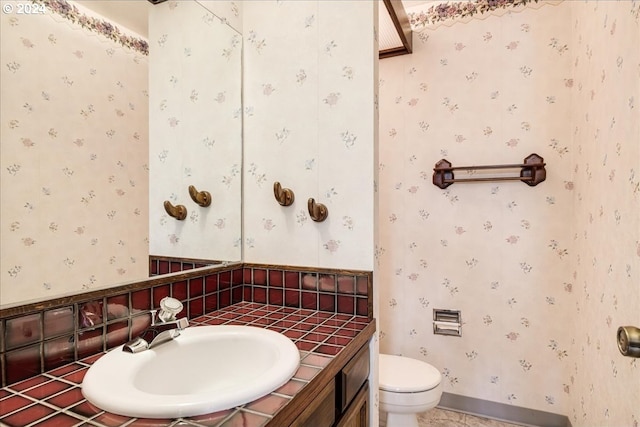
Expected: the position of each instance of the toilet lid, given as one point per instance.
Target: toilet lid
(404, 375)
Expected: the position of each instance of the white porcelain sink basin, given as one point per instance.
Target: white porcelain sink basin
(206, 369)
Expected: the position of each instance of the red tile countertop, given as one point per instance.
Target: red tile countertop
(54, 399)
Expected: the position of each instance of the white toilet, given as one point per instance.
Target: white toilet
(407, 387)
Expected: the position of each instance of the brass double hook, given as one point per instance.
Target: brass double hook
(317, 211)
(284, 196)
(179, 212)
(202, 198)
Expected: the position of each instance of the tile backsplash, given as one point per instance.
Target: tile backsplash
(43, 336)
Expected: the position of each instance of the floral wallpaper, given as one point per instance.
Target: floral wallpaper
(540, 280)
(603, 386)
(73, 154)
(195, 130)
(309, 123)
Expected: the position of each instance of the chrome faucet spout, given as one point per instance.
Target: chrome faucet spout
(156, 334)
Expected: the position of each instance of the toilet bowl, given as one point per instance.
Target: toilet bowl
(407, 387)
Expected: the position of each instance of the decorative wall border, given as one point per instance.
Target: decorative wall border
(462, 10)
(100, 26)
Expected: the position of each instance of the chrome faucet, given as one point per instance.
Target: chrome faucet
(164, 329)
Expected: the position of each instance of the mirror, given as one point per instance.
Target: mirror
(97, 135)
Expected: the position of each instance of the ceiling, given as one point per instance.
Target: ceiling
(132, 14)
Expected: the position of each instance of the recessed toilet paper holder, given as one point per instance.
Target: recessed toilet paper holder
(447, 322)
(628, 338)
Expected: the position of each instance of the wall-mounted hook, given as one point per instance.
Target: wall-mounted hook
(317, 211)
(203, 198)
(179, 212)
(284, 196)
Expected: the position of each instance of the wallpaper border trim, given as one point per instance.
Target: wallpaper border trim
(502, 411)
(100, 26)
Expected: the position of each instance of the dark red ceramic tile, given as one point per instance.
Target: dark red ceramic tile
(342, 317)
(22, 330)
(305, 345)
(163, 267)
(362, 306)
(22, 364)
(346, 304)
(76, 377)
(327, 302)
(211, 419)
(117, 306)
(314, 337)
(237, 294)
(225, 280)
(58, 352)
(247, 275)
(316, 360)
(246, 318)
(187, 266)
(259, 295)
(46, 390)
(237, 277)
(153, 267)
(64, 370)
(303, 326)
(68, 398)
(58, 420)
(27, 415)
(355, 325)
(306, 373)
(291, 388)
(284, 324)
(160, 292)
(323, 329)
(12, 403)
(196, 287)
(309, 300)
(215, 321)
(309, 282)
(259, 277)
(362, 285)
(90, 314)
(269, 404)
(247, 419)
(327, 283)
(346, 332)
(117, 333)
(210, 303)
(175, 266)
(90, 342)
(276, 296)
(338, 340)
(148, 422)
(346, 284)
(111, 420)
(292, 280)
(58, 321)
(293, 335)
(31, 382)
(224, 298)
(3, 393)
(90, 360)
(196, 307)
(86, 409)
(179, 290)
(262, 321)
(294, 317)
(141, 301)
(328, 349)
(276, 278)
(211, 283)
(292, 298)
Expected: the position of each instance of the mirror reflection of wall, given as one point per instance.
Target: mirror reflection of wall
(74, 152)
(195, 131)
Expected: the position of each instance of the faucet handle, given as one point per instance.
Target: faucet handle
(169, 308)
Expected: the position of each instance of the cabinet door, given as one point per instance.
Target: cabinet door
(322, 411)
(357, 415)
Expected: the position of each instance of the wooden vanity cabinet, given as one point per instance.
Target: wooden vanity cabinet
(339, 395)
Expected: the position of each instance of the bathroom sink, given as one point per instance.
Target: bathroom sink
(205, 369)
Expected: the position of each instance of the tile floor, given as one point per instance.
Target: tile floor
(443, 418)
